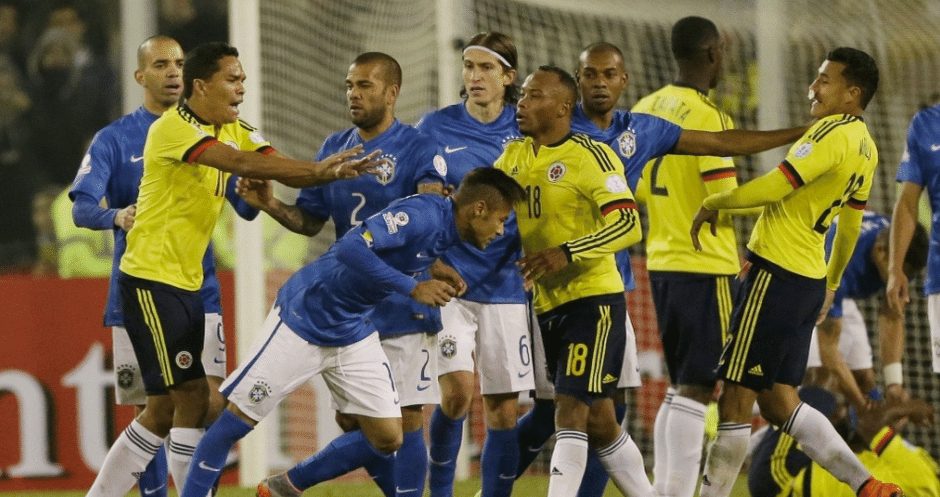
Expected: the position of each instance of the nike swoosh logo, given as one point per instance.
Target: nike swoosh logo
(400, 490)
(448, 150)
(441, 463)
(534, 449)
(523, 375)
(421, 389)
(137, 159)
(203, 465)
(151, 491)
(217, 361)
(934, 148)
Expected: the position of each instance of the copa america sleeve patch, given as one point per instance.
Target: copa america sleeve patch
(256, 137)
(440, 165)
(394, 220)
(803, 150)
(616, 184)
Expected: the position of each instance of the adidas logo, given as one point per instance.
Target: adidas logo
(556, 472)
(756, 371)
(609, 378)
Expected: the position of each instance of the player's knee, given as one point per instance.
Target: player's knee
(702, 394)
(215, 406)
(388, 442)
(456, 403)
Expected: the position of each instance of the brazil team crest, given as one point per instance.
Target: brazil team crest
(627, 144)
(448, 346)
(125, 376)
(259, 392)
(386, 172)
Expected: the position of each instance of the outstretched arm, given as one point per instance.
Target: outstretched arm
(733, 142)
(260, 195)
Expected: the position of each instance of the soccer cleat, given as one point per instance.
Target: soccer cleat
(277, 486)
(875, 488)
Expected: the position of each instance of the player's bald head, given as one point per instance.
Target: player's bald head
(600, 48)
(562, 82)
(147, 49)
(390, 69)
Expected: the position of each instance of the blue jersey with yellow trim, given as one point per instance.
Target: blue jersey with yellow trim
(111, 169)
(491, 274)
(920, 165)
(412, 158)
(636, 138)
(861, 278)
(330, 301)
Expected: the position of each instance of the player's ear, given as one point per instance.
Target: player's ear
(391, 95)
(139, 77)
(509, 75)
(855, 93)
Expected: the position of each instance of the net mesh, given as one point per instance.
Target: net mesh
(308, 46)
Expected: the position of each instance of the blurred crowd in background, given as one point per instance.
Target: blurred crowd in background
(59, 84)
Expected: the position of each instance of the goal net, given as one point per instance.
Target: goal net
(307, 47)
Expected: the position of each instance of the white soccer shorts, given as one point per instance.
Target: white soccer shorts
(854, 345)
(358, 375)
(933, 317)
(629, 372)
(129, 386)
(496, 335)
(414, 366)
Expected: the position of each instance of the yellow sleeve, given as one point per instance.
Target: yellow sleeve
(249, 138)
(850, 225)
(766, 189)
(172, 138)
(910, 467)
(608, 188)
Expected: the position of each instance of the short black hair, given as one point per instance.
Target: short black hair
(504, 46)
(567, 80)
(390, 68)
(860, 70)
(690, 35)
(203, 61)
(490, 185)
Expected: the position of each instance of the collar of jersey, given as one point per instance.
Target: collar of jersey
(185, 108)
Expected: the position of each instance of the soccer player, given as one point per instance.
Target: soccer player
(489, 324)
(828, 172)
(578, 289)
(839, 349)
(189, 155)
(407, 328)
(112, 169)
(919, 169)
(636, 138)
(320, 325)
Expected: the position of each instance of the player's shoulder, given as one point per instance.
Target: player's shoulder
(835, 125)
(436, 117)
(927, 118)
(586, 150)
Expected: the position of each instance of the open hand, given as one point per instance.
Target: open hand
(704, 215)
(544, 261)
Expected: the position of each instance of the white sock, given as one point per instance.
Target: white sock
(568, 461)
(685, 428)
(725, 456)
(183, 442)
(660, 445)
(127, 458)
(822, 443)
(624, 464)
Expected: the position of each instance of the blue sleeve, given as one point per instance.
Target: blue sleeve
(244, 210)
(432, 168)
(909, 168)
(669, 136)
(87, 213)
(357, 253)
(836, 310)
(313, 201)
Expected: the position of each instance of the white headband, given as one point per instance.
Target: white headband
(489, 51)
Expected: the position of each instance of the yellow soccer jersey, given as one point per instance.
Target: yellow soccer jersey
(890, 459)
(180, 200)
(677, 184)
(830, 165)
(578, 198)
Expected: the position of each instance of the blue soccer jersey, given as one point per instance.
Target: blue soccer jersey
(491, 274)
(636, 138)
(413, 158)
(111, 169)
(329, 302)
(921, 165)
(861, 278)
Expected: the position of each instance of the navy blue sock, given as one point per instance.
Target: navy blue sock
(345, 453)
(382, 472)
(535, 428)
(210, 454)
(446, 435)
(411, 465)
(499, 462)
(152, 481)
(595, 475)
